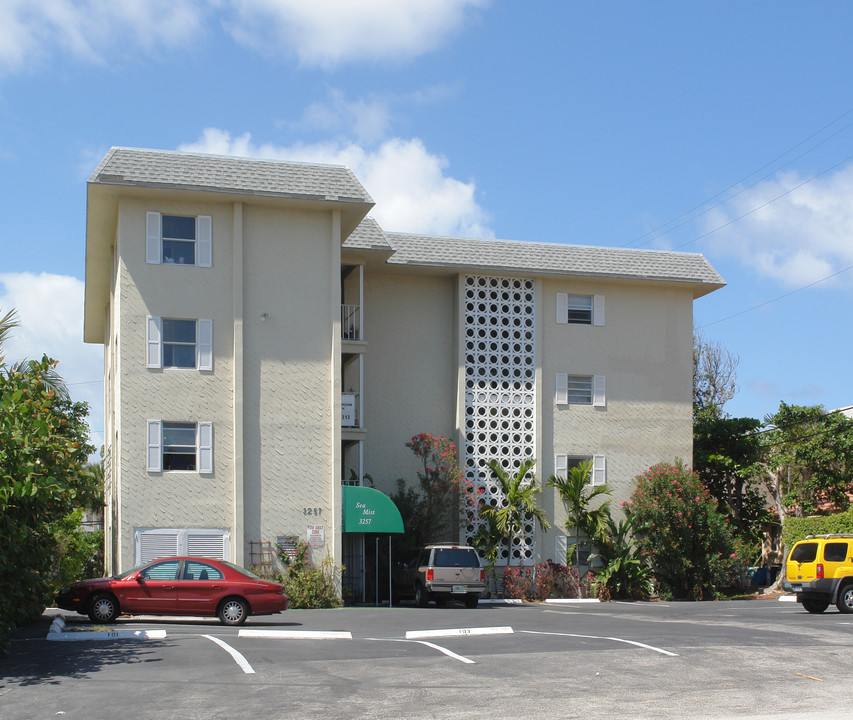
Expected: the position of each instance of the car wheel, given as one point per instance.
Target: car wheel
(471, 600)
(421, 597)
(233, 611)
(103, 609)
(815, 605)
(845, 599)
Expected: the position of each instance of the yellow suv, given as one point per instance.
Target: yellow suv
(820, 571)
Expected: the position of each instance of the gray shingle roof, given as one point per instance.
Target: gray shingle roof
(368, 236)
(188, 171)
(552, 258)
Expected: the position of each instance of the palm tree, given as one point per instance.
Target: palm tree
(51, 379)
(519, 493)
(577, 493)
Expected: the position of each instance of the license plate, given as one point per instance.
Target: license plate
(458, 590)
(796, 588)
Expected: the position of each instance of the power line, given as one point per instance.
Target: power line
(780, 297)
(636, 241)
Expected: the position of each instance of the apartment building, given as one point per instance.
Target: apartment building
(267, 343)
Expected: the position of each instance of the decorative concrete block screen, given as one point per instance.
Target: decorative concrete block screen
(500, 391)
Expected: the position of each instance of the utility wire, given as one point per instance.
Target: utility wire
(636, 241)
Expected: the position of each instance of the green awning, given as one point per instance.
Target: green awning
(367, 510)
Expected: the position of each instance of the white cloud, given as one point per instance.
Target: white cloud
(92, 29)
(319, 32)
(50, 313)
(792, 232)
(329, 32)
(366, 119)
(409, 184)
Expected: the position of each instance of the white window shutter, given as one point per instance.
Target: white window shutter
(155, 444)
(153, 544)
(205, 344)
(212, 544)
(152, 243)
(562, 396)
(153, 335)
(562, 308)
(204, 447)
(204, 240)
(561, 466)
(598, 310)
(599, 470)
(598, 396)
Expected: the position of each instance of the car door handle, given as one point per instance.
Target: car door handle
(216, 587)
(169, 587)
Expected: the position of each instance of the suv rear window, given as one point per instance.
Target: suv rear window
(455, 557)
(805, 552)
(835, 552)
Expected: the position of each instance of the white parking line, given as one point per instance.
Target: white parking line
(238, 658)
(456, 632)
(598, 637)
(449, 653)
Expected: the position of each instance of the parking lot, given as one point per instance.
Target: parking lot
(634, 660)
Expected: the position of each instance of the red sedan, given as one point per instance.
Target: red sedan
(177, 586)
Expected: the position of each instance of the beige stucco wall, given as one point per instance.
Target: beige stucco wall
(290, 260)
(410, 369)
(171, 499)
(644, 351)
(288, 389)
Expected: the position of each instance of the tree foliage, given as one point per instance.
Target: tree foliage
(714, 376)
(727, 454)
(586, 515)
(517, 502)
(808, 460)
(681, 532)
(43, 483)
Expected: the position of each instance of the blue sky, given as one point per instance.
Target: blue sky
(724, 128)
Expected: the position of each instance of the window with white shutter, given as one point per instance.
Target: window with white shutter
(179, 446)
(580, 309)
(178, 343)
(179, 239)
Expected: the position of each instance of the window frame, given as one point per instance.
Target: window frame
(202, 243)
(564, 309)
(156, 447)
(597, 472)
(155, 343)
(563, 394)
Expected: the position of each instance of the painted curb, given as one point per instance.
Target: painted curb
(58, 633)
(296, 634)
(787, 598)
(458, 632)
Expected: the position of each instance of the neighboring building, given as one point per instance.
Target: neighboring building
(265, 342)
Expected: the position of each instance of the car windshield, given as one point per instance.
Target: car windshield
(455, 557)
(127, 573)
(804, 552)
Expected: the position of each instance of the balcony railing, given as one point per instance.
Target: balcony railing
(351, 322)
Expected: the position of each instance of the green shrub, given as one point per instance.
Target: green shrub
(796, 528)
(306, 585)
(682, 534)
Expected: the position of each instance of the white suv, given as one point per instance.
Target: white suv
(442, 572)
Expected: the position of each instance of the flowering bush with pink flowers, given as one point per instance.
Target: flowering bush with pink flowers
(681, 532)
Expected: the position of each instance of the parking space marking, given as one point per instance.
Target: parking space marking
(456, 632)
(296, 634)
(599, 637)
(449, 653)
(238, 658)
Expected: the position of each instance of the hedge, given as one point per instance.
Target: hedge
(796, 529)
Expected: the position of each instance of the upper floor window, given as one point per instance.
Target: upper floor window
(179, 239)
(180, 446)
(597, 467)
(580, 390)
(179, 343)
(580, 309)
